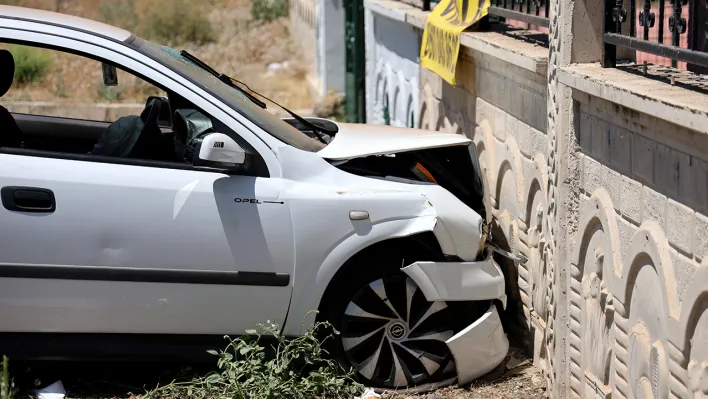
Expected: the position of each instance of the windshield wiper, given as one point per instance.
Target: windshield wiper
(234, 83)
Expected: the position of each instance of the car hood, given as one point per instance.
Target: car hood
(360, 140)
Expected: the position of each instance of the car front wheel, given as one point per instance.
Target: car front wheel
(390, 334)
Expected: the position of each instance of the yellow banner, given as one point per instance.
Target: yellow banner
(441, 38)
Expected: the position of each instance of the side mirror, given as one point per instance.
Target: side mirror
(217, 150)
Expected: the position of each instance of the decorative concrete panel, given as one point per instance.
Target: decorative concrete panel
(393, 72)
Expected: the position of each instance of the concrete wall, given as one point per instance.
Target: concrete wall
(392, 70)
(318, 26)
(599, 177)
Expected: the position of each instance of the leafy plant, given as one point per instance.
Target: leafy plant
(7, 386)
(268, 10)
(110, 93)
(30, 63)
(299, 369)
(177, 21)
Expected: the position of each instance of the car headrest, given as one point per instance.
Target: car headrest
(7, 71)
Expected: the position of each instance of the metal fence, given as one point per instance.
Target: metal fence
(533, 12)
(671, 29)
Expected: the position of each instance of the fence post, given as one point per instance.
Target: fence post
(609, 51)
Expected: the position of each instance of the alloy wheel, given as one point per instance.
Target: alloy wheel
(393, 336)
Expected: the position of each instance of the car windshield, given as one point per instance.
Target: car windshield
(270, 123)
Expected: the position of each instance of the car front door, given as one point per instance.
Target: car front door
(93, 246)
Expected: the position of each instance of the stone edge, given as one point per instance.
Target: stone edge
(677, 105)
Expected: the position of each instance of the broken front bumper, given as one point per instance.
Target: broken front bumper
(481, 346)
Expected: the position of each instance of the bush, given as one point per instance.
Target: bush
(268, 10)
(7, 387)
(298, 370)
(119, 13)
(30, 63)
(177, 21)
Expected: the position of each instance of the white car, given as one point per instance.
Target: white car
(207, 215)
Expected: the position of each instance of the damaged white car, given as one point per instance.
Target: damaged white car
(207, 214)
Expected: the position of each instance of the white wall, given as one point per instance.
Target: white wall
(392, 70)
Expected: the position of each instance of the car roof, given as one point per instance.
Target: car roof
(64, 20)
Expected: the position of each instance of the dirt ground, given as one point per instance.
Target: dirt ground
(243, 49)
(515, 378)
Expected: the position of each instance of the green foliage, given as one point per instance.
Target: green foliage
(110, 93)
(30, 63)
(176, 22)
(7, 386)
(299, 369)
(119, 13)
(268, 10)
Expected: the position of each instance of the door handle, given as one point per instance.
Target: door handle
(28, 199)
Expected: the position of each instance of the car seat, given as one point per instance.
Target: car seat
(10, 133)
(136, 137)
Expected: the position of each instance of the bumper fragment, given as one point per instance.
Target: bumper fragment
(459, 281)
(479, 348)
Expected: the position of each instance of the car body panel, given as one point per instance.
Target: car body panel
(70, 21)
(459, 281)
(479, 348)
(140, 219)
(358, 140)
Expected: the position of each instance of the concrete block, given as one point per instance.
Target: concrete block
(643, 151)
(700, 179)
(666, 170)
(680, 222)
(700, 237)
(585, 133)
(654, 206)
(685, 270)
(620, 149)
(631, 200)
(613, 185)
(512, 127)
(500, 125)
(525, 139)
(687, 191)
(600, 139)
(539, 142)
(593, 175)
(626, 231)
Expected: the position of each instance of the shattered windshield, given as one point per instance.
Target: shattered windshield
(270, 123)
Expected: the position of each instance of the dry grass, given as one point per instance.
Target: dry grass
(242, 48)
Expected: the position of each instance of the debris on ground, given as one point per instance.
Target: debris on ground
(368, 394)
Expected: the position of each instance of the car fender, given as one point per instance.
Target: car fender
(309, 289)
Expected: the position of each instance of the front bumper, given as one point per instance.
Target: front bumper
(483, 345)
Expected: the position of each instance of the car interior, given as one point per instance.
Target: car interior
(161, 132)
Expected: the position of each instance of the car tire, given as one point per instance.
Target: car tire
(388, 332)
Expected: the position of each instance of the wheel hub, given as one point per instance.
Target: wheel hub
(393, 336)
(397, 330)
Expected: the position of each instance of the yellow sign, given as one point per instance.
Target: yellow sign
(441, 38)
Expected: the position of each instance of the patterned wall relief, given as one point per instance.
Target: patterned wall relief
(595, 260)
(689, 338)
(646, 299)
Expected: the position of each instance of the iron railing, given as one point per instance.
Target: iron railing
(642, 18)
(534, 12)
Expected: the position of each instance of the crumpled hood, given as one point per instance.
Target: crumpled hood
(360, 140)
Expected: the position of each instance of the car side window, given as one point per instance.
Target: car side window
(64, 103)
